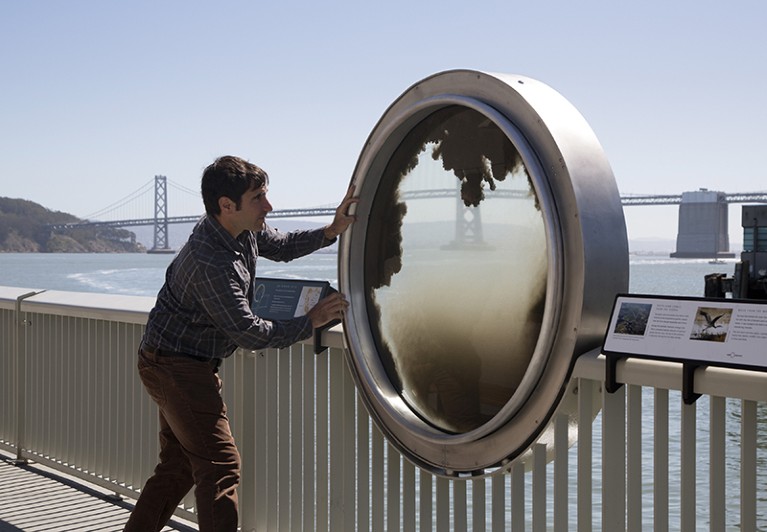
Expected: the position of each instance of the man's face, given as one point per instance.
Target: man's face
(253, 210)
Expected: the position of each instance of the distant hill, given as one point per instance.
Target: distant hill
(24, 229)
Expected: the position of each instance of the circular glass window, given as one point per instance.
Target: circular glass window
(455, 269)
(489, 246)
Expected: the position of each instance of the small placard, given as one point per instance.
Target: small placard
(283, 299)
(722, 332)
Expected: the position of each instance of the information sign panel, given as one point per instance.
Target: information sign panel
(284, 299)
(721, 332)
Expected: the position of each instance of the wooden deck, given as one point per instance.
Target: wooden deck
(36, 498)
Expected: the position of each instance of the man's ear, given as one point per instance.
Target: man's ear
(226, 204)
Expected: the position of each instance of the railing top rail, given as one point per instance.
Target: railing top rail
(9, 294)
(120, 308)
(709, 380)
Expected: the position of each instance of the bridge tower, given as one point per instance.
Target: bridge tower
(468, 227)
(703, 226)
(160, 216)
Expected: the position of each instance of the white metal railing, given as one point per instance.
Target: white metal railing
(70, 398)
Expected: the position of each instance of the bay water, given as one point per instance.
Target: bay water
(143, 274)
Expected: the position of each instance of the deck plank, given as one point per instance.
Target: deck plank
(36, 498)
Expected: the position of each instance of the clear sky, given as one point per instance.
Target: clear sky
(98, 97)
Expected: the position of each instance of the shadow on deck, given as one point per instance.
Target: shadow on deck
(35, 498)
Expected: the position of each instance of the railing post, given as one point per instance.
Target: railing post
(614, 460)
(19, 347)
(688, 468)
(748, 438)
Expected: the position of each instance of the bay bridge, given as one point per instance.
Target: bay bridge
(703, 214)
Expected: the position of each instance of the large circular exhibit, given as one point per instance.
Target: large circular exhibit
(489, 245)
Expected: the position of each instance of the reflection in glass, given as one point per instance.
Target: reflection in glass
(455, 269)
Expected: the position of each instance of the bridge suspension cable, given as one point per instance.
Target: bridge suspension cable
(182, 188)
(144, 189)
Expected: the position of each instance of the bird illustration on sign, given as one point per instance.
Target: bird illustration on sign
(711, 324)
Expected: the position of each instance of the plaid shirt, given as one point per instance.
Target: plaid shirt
(203, 309)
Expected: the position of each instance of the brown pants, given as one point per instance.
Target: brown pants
(196, 446)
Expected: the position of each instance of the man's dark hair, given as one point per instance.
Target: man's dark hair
(230, 177)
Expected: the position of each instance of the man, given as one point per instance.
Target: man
(202, 315)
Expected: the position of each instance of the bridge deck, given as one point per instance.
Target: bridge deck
(33, 497)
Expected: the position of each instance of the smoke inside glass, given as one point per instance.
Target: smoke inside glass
(455, 269)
